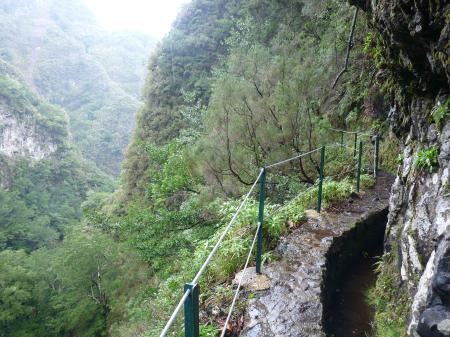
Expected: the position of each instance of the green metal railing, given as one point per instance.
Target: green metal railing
(190, 298)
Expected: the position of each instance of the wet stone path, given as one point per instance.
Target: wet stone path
(293, 306)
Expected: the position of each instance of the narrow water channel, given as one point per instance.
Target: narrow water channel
(351, 315)
(350, 272)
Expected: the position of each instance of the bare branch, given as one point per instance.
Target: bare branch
(230, 166)
(349, 47)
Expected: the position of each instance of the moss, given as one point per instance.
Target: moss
(390, 298)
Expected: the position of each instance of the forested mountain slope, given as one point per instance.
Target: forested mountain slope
(43, 178)
(94, 75)
(55, 276)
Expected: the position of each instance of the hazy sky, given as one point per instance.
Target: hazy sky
(153, 17)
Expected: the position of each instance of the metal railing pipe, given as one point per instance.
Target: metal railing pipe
(291, 159)
(191, 311)
(259, 234)
(321, 175)
(216, 247)
(174, 314)
(377, 150)
(358, 174)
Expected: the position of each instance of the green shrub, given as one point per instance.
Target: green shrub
(441, 112)
(368, 43)
(209, 330)
(427, 159)
(332, 191)
(367, 181)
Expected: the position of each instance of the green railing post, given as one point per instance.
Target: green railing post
(191, 311)
(358, 174)
(342, 138)
(354, 144)
(377, 151)
(262, 197)
(319, 193)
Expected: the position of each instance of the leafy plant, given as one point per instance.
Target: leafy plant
(368, 42)
(427, 159)
(391, 303)
(441, 112)
(367, 180)
(209, 330)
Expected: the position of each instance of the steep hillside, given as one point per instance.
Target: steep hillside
(265, 65)
(96, 76)
(43, 179)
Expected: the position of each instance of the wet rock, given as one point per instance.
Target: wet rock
(312, 214)
(251, 280)
(435, 322)
(22, 136)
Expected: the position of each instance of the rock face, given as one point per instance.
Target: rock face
(22, 137)
(294, 304)
(415, 36)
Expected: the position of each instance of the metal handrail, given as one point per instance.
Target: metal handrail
(359, 133)
(174, 314)
(208, 259)
(224, 330)
(216, 247)
(258, 235)
(344, 131)
(293, 158)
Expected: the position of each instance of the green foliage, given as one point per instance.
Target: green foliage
(333, 191)
(171, 172)
(74, 288)
(368, 42)
(209, 330)
(441, 112)
(391, 302)
(367, 181)
(23, 103)
(41, 198)
(427, 159)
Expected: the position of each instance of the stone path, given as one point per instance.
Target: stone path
(292, 306)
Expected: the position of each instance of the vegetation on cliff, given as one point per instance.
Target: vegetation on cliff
(40, 198)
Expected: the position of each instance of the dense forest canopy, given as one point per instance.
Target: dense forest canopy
(233, 86)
